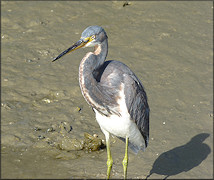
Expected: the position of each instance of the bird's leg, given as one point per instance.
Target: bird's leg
(109, 158)
(125, 160)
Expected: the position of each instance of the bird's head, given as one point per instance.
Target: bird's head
(90, 37)
(93, 35)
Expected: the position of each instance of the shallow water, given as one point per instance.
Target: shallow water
(167, 44)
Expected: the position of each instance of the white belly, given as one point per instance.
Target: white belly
(118, 126)
(121, 127)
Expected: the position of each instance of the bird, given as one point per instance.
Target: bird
(115, 94)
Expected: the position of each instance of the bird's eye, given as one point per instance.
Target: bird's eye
(93, 37)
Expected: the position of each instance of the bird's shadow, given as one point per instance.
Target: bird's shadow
(182, 158)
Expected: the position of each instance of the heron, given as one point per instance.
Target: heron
(115, 94)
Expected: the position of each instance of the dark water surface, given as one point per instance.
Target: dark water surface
(167, 44)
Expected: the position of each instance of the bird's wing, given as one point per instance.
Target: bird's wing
(112, 76)
(137, 105)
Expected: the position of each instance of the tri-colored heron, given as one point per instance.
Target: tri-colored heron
(114, 92)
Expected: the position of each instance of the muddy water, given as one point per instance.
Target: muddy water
(167, 44)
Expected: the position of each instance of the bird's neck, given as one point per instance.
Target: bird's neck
(91, 63)
(93, 60)
(100, 52)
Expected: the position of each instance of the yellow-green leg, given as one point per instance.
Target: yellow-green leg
(125, 160)
(109, 158)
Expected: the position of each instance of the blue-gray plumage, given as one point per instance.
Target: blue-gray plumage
(114, 92)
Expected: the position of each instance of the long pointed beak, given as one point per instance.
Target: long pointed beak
(74, 47)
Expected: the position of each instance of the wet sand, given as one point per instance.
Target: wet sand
(169, 45)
